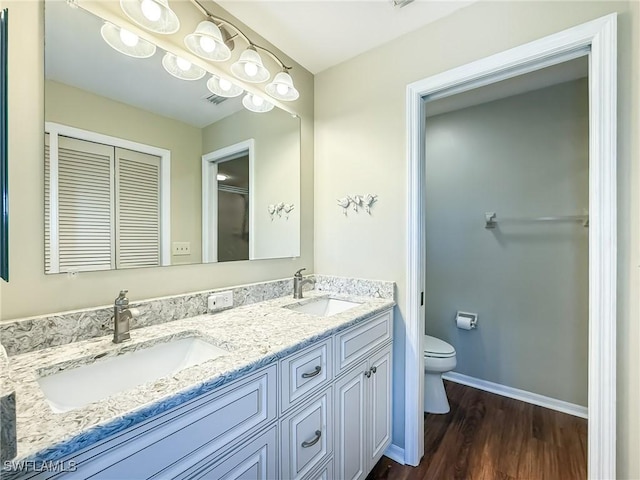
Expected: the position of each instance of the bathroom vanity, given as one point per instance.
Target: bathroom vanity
(301, 390)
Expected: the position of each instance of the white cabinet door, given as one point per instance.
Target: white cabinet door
(351, 458)
(379, 433)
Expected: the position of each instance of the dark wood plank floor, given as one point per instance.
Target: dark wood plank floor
(487, 437)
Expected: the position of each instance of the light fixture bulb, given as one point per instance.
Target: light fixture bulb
(151, 10)
(221, 177)
(257, 101)
(225, 84)
(183, 64)
(282, 89)
(130, 39)
(251, 69)
(207, 44)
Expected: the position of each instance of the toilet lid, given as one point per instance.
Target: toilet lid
(434, 347)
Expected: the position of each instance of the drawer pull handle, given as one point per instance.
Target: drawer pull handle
(374, 369)
(315, 372)
(367, 373)
(315, 440)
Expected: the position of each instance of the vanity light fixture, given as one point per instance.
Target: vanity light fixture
(249, 67)
(154, 15)
(181, 68)
(207, 42)
(282, 87)
(256, 103)
(223, 87)
(126, 42)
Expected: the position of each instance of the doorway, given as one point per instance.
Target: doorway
(227, 203)
(598, 40)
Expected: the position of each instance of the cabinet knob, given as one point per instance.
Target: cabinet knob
(374, 369)
(313, 441)
(316, 371)
(367, 373)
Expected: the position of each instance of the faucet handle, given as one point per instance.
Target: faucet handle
(122, 298)
(299, 273)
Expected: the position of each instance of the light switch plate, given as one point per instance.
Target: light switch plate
(181, 248)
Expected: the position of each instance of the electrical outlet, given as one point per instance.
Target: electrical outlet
(220, 300)
(181, 248)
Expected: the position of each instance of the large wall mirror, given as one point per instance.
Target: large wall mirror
(144, 169)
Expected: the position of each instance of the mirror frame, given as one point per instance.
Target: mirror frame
(4, 183)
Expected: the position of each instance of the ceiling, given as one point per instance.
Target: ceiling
(545, 77)
(319, 34)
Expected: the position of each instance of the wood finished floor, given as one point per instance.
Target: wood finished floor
(487, 437)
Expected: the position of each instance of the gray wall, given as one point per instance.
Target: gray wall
(522, 156)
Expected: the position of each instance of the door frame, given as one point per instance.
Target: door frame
(598, 38)
(210, 201)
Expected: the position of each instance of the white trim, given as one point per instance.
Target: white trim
(599, 36)
(517, 394)
(55, 129)
(209, 200)
(209, 211)
(395, 453)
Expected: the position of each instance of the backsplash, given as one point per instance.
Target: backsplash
(35, 333)
(355, 286)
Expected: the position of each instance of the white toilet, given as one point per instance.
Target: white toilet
(439, 357)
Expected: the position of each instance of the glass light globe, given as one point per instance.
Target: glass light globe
(282, 89)
(151, 10)
(257, 101)
(130, 39)
(224, 84)
(183, 64)
(207, 44)
(250, 69)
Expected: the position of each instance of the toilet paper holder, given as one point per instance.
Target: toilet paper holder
(466, 320)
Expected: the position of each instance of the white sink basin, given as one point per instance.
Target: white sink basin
(75, 388)
(324, 307)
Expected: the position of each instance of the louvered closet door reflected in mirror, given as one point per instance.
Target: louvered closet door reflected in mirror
(102, 206)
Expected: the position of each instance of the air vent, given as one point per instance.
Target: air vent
(215, 99)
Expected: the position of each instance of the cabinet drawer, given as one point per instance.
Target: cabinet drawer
(257, 460)
(304, 372)
(182, 437)
(307, 437)
(324, 473)
(356, 343)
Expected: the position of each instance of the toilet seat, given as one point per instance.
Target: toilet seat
(436, 348)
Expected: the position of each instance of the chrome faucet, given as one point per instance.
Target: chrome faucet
(298, 282)
(122, 314)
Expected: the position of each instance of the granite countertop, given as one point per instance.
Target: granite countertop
(254, 336)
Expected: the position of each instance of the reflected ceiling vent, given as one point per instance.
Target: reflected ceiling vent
(215, 99)
(401, 3)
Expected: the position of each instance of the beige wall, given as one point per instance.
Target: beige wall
(30, 291)
(276, 170)
(81, 109)
(522, 156)
(360, 147)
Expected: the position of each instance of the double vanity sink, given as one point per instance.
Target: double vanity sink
(72, 395)
(104, 375)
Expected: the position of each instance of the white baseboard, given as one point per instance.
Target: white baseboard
(395, 453)
(516, 393)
